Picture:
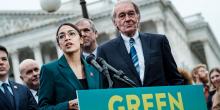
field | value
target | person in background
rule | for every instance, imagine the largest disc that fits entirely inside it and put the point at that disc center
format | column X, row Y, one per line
column 30, row 71
column 89, row 35
column 60, row 79
column 214, row 77
column 145, row 58
column 200, row 77
column 13, row 96
column 200, row 74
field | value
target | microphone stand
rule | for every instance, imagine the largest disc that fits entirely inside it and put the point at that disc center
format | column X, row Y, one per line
column 128, row 81
column 123, row 80
column 106, row 73
column 119, row 75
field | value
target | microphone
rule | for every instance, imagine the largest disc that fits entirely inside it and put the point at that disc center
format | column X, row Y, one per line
column 103, row 62
column 91, row 60
column 104, row 70
column 118, row 72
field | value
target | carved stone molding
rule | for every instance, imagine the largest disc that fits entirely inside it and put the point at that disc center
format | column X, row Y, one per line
column 12, row 22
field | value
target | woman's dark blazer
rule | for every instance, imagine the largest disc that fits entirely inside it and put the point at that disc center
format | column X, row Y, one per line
column 58, row 84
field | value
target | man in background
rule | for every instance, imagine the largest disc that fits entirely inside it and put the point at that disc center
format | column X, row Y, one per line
column 200, row 74
column 89, row 34
column 200, row 77
column 30, row 71
column 13, row 96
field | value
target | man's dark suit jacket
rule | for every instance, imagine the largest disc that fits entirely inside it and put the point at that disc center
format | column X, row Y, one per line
column 58, row 84
column 160, row 67
column 23, row 98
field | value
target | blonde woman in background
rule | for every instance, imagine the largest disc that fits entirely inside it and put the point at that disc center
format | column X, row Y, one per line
column 215, row 81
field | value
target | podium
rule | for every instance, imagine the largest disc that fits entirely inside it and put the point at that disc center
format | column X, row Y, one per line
column 188, row 97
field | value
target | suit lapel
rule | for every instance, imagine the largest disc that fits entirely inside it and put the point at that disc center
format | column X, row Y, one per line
column 91, row 76
column 125, row 56
column 15, row 88
column 4, row 100
column 68, row 74
column 145, row 43
column 123, row 52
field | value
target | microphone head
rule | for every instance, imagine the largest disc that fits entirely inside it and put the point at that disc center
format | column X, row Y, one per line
column 90, row 58
column 99, row 59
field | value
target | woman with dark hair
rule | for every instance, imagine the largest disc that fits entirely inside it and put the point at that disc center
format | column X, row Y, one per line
column 60, row 79
column 214, row 76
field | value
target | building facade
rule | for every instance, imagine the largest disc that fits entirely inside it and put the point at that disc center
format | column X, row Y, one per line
column 32, row 34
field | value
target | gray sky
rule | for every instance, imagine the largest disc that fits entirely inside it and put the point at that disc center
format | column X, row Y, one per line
column 208, row 8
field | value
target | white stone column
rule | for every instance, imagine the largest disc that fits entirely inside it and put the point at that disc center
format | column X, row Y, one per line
column 37, row 53
column 15, row 65
column 160, row 26
column 209, row 55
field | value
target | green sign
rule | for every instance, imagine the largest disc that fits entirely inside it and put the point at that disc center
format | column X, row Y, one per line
column 146, row 98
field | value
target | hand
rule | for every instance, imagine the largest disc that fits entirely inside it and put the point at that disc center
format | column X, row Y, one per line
column 73, row 104
column 197, row 81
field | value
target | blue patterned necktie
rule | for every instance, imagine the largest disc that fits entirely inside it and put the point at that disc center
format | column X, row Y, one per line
column 8, row 94
column 134, row 56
